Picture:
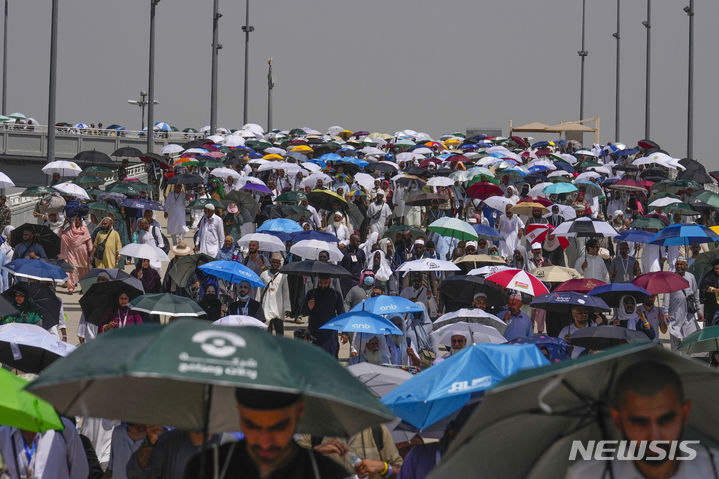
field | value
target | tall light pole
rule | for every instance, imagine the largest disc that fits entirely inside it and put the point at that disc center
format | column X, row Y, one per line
column 4, row 63
column 647, row 96
column 151, row 82
column 215, row 50
column 142, row 103
column 582, row 54
column 53, row 83
column 616, row 93
column 247, row 28
column 270, row 86
column 690, row 90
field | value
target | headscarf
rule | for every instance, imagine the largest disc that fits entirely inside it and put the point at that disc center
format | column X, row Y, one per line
column 622, row 314
column 73, row 237
column 367, row 245
column 360, row 343
column 525, row 263
column 551, row 245
column 384, row 272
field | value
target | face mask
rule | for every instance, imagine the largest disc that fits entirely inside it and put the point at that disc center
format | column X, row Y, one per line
column 244, row 298
column 368, row 280
column 211, row 296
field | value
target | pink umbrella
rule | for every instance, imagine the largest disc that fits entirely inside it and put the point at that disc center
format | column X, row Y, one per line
column 580, row 285
column 519, row 280
column 661, row 282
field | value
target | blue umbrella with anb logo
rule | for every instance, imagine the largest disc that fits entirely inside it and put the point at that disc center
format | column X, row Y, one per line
column 232, row 271
column 384, row 305
column 362, row 322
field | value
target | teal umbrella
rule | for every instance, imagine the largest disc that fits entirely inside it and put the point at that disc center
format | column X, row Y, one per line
column 160, row 374
column 705, row 340
column 166, row 303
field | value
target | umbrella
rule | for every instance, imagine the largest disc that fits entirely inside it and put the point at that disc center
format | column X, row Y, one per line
column 43, row 236
column 24, row 410
column 486, row 232
column 661, row 282
column 684, row 209
column 125, row 188
column 166, row 303
column 427, row 264
column 38, row 191
column 200, row 203
column 478, row 333
column 283, row 225
column 142, row 204
column 704, row 340
column 224, row 173
column 519, row 280
column 43, row 298
column 446, row 387
column 313, row 235
column 144, row 251
column 498, row 203
column 6, row 307
column 240, row 320
column 35, row 269
column 708, row 197
column 475, row 260
column 90, row 181
column 91, row 277
column 462, row 289
column 579, row 285
column 635, row 236
column 378, row 379
column 612, row 293
column 703, row 264
column 326, row 200
column 71, row 189
column 244, row 201
column 128, row 151
column 413, row 230
column 292, row 212
column 604, row 337
column 527, row 208
column 311, row 249
column 232, row 271
column 557, row 348
column 585, row 227
column 559, row 188
column 483, row 190
column 361, row 322
column 187, row 360
column 425, row 199
column 5, row 181
column 183, row 267
column 537, row 233
column 256, row 188
column 171, row 149
column 291, row 197
column 542, row 411
column 454, row 228
column 626, row 184
column 266, row 242
column 30, row 348
column 487, row 270
column 556, row 274
column 563, row 302
column 466, row 315
column 388, row 305
column 64, row 168
column 312, row 268
column 646, row 222
column 186, row 179
column 681, row 234
column 99, row 298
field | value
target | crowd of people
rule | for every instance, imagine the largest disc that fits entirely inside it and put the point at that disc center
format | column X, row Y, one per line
column 459, row 228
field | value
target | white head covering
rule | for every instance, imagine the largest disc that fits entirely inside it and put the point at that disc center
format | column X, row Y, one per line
column 385, row 271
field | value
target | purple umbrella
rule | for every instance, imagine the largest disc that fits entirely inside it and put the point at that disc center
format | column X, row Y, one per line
column 256, row 187
column 141, row 204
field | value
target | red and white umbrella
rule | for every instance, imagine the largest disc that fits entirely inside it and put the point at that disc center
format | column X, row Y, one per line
column 519, row 280
column 537, row 233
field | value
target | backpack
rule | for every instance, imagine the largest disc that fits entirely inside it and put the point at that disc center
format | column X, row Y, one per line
column 165, row 244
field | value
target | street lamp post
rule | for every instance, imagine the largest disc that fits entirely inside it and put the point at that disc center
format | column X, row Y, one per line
column 53, row 83
column 215, row 51
column 150, row 133
column 582, row 54
column 4, row 63
column 142, row 103
column 270, row 86
column 690, row 90
column 647, row 97
column 616, row 93
column 247, row 28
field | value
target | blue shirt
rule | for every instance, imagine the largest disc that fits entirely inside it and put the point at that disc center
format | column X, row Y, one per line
column 518, row 327
column 22, row 250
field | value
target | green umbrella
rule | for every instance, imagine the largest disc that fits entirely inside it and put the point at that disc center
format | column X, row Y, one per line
column 93, row 192
column 681, row 208
column 541, row 411
column 183, row 267
column 166, row 303
column 708, row 197
column 24, row 410
column 454, row 228
column 414, row 231
column 88, row 180
column 702, row 341
column 38, row 191
column 103, row 208
column 703, row 264
column 211, row 163
column 656, row 196
column 483, row 178
column 189, row 130
column 583, row 165
column 291, row 197
column 97, row 170
column 647, row 223
column 123, row 187
column 200, row 203
column 160, row 374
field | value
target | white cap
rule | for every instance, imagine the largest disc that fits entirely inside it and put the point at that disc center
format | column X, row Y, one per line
column 210, row 206
column 536, row 246
column 471, row 243
column 419, row 241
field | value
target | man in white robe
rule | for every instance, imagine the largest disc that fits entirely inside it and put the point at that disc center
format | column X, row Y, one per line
column 175, row 206
column 511, row 228
column 339, row 229
column 590, row 264
column 378, row 213
column 210, row 233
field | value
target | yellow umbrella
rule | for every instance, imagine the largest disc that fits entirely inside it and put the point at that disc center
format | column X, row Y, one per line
column 344, row 134
column 714, row 229
column 302, row 149
column 526, row 208
column 273, row 157
column 452, row 141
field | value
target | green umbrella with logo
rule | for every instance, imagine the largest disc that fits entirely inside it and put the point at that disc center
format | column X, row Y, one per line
column 540, row 412
column 24, row 410
column 156, row 374
column 705, row 340
column 200, row 203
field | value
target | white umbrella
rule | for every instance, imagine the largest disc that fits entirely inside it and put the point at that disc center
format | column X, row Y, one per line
column 372, row 151
column 487, row 270
column 311, row 167
column 234, row 140
column 538, row 189
column 290, row 168
column 32, row 341
column 440, row 181
column 583, row 227
column 5, row 181
column 218, row 139
column 408, row 156
column 199, row 151
column 499, row 203
column 65, row 168
column 240, row 320
column 71, row 189
column 662, row 202
column 365, row 180
column 565, row 211
column 587, row 175
column 223, row 173
column 427, row 264
column 254, row 128
column 267, row 242
column 171, row 149
column 558, row 173
column 477, row 332
column 144, row 251
column 273, row 150
column 312, row 179
column 310, row 249
column 378, row 379
column 243, row 180
column 423, row 151
column 470, row 315
column 205, row 129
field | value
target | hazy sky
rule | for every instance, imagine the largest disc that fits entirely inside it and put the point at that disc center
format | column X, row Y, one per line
column 377, row 65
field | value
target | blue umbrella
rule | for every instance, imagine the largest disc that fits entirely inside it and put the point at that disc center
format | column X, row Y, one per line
column 355, row 161
column 283, row 225
column 315, row 235
column 487, row 233
column 284, row 237
column 559, row 188
column 361, row 322
column 35, row 269
column 384, row 304
column 557, row 348
column 329, row 157
column 680, row 234
column 445, row 387
column 141, row 204
column 635, row 236
column 564, row 301
column 540, row 144
column 162, row 126
column 612, row 293
column 232, row 271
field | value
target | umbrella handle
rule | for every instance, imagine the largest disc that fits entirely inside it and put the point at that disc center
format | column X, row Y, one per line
column 548, row 388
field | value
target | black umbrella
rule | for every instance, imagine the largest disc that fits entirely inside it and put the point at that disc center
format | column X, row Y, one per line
column 91, row 277
column 381, row 167
column 183, row 267
column 91, row 156
column 196, row 143
column 349, row 168
column 6, row 307
column 245, row 202
column 128, row 151
column 103, row 296
column 292, row 212
column 605, row 337
column 186, row 179
column 416, row 170
column 312, row 267
column 30, row 348
column 462, row 289
column 149, row 157
column 424, row 199
column 44, row 299
column 43, row 235
column 327, row 200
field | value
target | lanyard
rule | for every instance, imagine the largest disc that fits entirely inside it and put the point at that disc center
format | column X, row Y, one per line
column 123, row 321
column 29, row 451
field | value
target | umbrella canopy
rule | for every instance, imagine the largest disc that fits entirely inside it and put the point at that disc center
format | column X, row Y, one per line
column 43, row 298
column 473, row 315
column 42, row 235
column 462, row 289
column 326, row 200
column 232, row 271
column 179, row 363
column 541, row 411
column 661, row 282
column 24, row 410
column 240, row 320
column 604, row 337
column 585, row 227
column 527, row 208
column 645, row 222
column 312, row 268
column 186, row 179
column 635, row 236
column 291, row 197
column 266, row 242
column 378, row 379
column 476, row 332
column 200, row 203
column 310, row 249
column 681, row 234
column 183, row 267
column 314, row 235
column 166, row 303
column 580, row 285
column 387, row 305
column 446, row 387
column 128, row 151
column 30, row 348
column 102, row 297
column 362, row 322
column 563, row 302
column 38, row 191
column 91, row 277
column 704, row 340
column 427, row 264
column 498, row 203
column 537, row 233
column 454, row 228
column 559, row 188
column 556, row 274
column 483, row 190
column 64, row 168
column 35, row 269
column 703, row 264
column 71, row 189
column 144, row 251
column 486, row 232
column 612, row 293
column 519, row 280
column 142, row 204
column 282, row 225
column 425, row 199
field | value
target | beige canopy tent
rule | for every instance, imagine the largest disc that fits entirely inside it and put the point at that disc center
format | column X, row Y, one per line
column 569, row 129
